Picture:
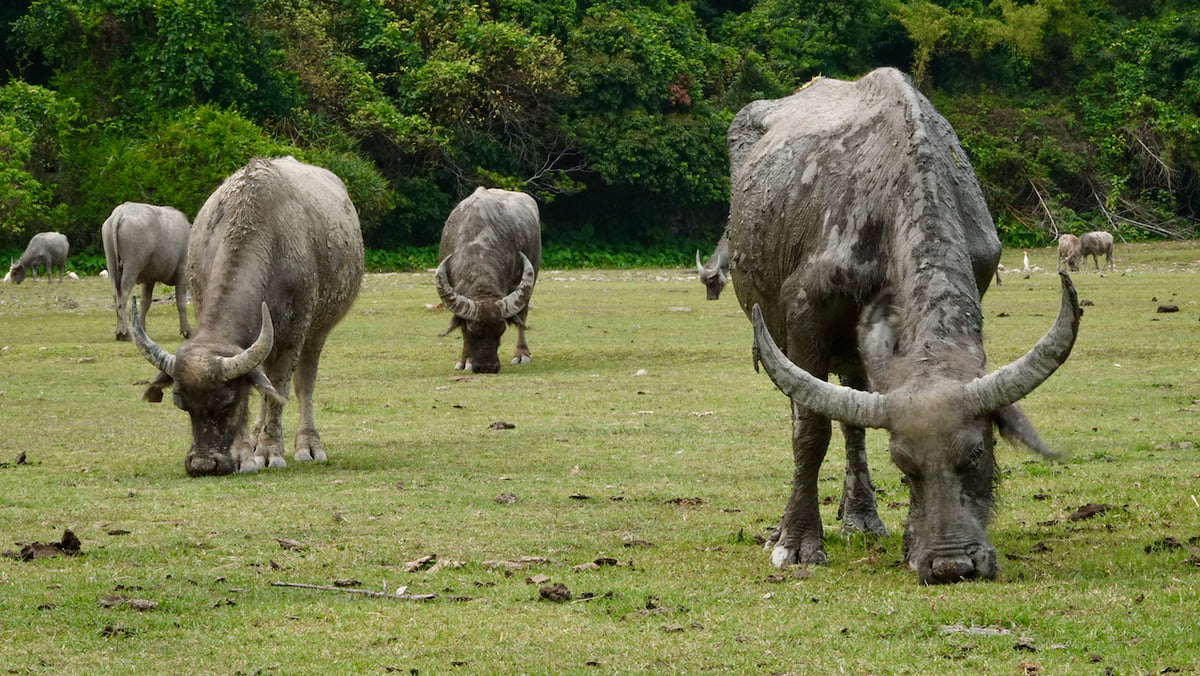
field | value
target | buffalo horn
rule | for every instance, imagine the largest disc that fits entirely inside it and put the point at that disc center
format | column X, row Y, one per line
column 455, row 302
column 163, row 360
column 1010, row 383
column 516, row 301
column 250, row 358
column 699, row 265
column 837, row 402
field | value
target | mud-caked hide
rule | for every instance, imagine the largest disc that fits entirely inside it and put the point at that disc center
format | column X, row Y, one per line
column 861, row 244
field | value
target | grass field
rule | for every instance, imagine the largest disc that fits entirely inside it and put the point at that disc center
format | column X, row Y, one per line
column 645, row 463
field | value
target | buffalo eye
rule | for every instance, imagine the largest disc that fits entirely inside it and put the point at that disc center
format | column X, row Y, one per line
column 971, row 457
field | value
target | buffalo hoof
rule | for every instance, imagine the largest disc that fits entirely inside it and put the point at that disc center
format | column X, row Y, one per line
column 315, row 455
column 124, row 337
column 863, row 523
column 208, row 465
column 782, row 556
column 522, row 359
column 276, row 462
column 787, row 551
column 248, row 466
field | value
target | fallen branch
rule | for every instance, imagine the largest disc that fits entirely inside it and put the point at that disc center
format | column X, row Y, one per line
column 398, row 595
column 1053, row 225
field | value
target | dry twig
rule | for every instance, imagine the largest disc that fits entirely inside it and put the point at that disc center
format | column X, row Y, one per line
column 396, row 596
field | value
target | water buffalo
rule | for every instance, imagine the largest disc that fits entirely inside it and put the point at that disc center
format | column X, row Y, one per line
column 144, row 244
column 1068, row 252
column 1095, row 243
column 488, row 262
column 275, row 260
column 714, row 273
column 45, row 249
column 860, row 240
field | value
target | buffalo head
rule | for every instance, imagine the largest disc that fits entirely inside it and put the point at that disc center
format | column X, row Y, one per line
column 16, row 273
column 940, row 437
column 713, row 278
column 483, row 319
column 211, row 381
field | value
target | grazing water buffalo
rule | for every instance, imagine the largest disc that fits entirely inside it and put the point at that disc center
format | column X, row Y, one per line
column 274, row 262
column 1068, row 252
column 859, row 239
column 45, row 249
column 1095, row 243
column 144, row 244
column 715, row 272
column 488, row 262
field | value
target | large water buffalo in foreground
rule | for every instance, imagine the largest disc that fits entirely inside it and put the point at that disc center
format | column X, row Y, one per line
column 714, row 273
column 45, row 249
column 144, row 244
column 1095, row 244
column 859, row 239
column 274, row 262
column 488, row 262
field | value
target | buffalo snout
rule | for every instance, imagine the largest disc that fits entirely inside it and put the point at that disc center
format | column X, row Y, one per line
column 948, row 568
column 200, row 463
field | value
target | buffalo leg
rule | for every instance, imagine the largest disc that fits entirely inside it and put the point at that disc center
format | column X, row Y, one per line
column 308, row 441
column 181, row 307
column 798, row 539
column 148, row 293
column 268, row 426
column 121, row 291
column 522, row 355
column 857, row 510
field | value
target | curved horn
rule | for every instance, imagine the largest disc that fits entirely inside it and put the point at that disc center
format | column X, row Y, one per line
column 699, row 265
column 516, row 301
column 1010, row 383
column 455, row 302
column 837, row 402
column 163, row 360
column 251, row 357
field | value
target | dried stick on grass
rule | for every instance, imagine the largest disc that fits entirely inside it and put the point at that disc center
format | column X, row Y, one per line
column 396, row 596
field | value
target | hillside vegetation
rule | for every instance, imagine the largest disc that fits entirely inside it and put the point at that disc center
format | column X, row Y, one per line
column 1077, row 114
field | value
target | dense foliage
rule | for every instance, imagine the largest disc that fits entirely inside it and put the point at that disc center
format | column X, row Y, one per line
column 1078, row 114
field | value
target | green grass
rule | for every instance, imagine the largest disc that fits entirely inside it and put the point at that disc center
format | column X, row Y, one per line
column 415, row 470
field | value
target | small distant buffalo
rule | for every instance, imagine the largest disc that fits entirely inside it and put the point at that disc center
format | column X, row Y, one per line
column 144, row 244
column 46, row 249
column 1095, row 243
column 715, row 272
column 488, row 262
column 1068, row 252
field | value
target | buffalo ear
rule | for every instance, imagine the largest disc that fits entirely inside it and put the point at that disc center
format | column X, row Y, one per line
column 154, row 391
column 260, row 381
column 455, row 322
column 876, row 333
column 1016, row 428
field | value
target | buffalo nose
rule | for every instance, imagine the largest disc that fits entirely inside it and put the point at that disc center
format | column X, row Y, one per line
column 952, row 569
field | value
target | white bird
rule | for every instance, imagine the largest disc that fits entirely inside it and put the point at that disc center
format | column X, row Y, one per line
column 1026, row 260
column 104, row 274
column 72, row 275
